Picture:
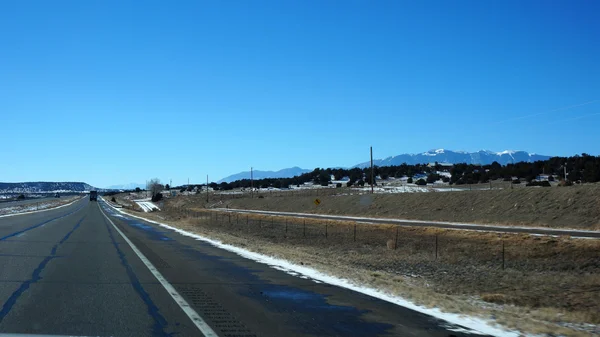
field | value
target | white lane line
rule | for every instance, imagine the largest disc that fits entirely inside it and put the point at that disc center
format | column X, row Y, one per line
column 183, row 304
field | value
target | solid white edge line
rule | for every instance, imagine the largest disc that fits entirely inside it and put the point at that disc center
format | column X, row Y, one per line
column 42, row 210
column 206, row 330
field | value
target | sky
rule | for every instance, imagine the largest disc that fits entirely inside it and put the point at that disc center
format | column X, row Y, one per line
column 113, row 92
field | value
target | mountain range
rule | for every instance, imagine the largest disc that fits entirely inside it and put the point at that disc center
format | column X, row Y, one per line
column 256, row 174
column 46, row 187
column 130, row 186
column 482, row 157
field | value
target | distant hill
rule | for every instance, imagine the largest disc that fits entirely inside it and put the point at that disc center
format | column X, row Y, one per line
column 46, row 187
column 130, row 186
column 285, row 173
column 482, row 157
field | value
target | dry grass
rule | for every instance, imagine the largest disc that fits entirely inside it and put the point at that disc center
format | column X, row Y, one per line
column 558, row 207
column 550, row 285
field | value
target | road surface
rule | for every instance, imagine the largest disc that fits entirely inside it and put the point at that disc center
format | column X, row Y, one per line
column 437, row 224
column 72, row 271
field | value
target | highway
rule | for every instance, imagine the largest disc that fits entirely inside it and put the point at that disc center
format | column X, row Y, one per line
column 437, row 224
column 86, row 270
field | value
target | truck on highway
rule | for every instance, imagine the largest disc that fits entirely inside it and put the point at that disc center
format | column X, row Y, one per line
column 93, row 195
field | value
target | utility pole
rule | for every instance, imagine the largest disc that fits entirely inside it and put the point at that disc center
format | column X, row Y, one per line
column 372, row 175
column 565, row 167
column 207, row 188
column 251, row 183
column 170, row 183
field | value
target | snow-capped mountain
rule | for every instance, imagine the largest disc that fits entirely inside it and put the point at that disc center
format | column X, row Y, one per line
column 130, row 186
column 285, row 173
column 482, row 157
column 46, row 187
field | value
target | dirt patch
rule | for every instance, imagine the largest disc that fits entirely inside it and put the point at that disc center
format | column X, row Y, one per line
column 548, row 285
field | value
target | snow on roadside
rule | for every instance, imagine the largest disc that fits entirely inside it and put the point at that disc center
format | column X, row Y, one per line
column 146, row 205
column 32, row 208
column 477, row 325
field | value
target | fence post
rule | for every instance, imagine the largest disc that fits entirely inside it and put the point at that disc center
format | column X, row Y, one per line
column 304, row 229
column 229, row 215
column 354, row 232
column 246, row 219
column 259, row 223
column 396, row 242
column 286, row 226
column 326, row 231
column 436, row 247
column 502, row 253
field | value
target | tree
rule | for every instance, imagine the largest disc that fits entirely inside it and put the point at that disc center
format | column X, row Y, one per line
column 137, row 189
column 324, row 178
column 155, row 187
column 167, row 187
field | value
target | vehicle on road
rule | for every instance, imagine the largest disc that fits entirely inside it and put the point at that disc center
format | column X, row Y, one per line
column 93, row 195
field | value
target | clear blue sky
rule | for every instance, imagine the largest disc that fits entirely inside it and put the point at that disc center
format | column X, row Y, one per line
column 111, row 92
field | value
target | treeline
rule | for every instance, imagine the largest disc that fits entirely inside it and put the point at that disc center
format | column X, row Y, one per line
column 580, row 169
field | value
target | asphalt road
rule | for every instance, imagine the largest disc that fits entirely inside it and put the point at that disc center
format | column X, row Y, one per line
column 447, row 225
column 70, row 271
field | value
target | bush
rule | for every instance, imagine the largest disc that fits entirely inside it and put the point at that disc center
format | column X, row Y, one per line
column 516, row 181
column 157, row 197
column 421, row 182
column 563, row 183
column 338, row 185
column 349, row 183
column 445, row 179
column 21, row 197
column 409, row 181
column 550, row 178
column 539, row 183
column 113, row 199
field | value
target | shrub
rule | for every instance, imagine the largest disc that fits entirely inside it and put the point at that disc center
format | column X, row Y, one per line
column 338, row 185
column 516, row 181
column 113, row 199
column 539, row 183
column 409, row 181
column 21, row 197
column 349, row 183
column 157, row 197
column 550, row 178
column 421, row 182
column 563, row 183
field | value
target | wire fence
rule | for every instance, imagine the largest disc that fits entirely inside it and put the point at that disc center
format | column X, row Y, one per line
column 492, row 250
